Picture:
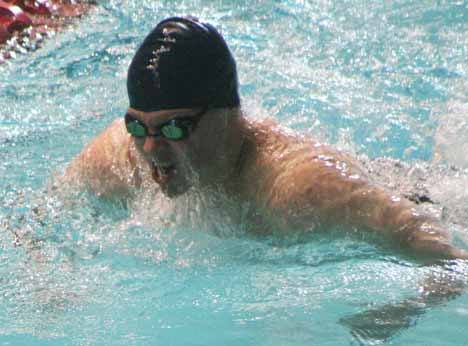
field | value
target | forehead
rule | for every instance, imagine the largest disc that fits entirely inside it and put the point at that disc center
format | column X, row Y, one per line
column 163, row 112
column 161, row 115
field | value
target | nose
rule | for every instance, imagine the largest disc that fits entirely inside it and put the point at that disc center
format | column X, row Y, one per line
column 151, row 144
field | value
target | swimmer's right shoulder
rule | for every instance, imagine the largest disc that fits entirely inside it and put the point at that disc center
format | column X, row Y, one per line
column 104, row 165
column 118, row 131
column 110, row 142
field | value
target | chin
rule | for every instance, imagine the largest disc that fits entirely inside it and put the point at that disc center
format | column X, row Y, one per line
column 174, row 190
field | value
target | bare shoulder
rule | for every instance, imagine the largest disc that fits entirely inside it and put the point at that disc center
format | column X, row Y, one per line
column 302, row 185
column 107, row 164
column 299, row 178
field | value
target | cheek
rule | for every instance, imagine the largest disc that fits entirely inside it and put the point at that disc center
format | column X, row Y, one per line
column 182, row 150
column 194, row 154
column 209, row 143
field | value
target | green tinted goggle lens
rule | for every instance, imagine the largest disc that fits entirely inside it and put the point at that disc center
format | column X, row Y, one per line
column 172, row 130
column 136, row 129
column 175, row 129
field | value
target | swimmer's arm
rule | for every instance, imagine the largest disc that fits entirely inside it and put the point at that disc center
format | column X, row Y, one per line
column 420, row 236
column 107, row 165
column 316, row 192
column 383, row 322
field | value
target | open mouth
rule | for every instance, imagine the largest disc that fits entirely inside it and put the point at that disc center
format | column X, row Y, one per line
column 162, row 173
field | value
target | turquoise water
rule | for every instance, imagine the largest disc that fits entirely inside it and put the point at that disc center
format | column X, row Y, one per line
column 376, row 78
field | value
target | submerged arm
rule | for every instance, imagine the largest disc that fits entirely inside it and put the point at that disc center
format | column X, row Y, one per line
column 357, row 202
column 326, row 188
column 379, row 324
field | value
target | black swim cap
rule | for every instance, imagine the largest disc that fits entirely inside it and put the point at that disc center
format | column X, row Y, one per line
column 182, row 63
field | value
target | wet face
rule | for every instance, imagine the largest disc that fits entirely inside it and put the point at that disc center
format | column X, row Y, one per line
column 174, row 143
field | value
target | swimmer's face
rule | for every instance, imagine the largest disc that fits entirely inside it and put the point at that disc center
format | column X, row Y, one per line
column 175, row 143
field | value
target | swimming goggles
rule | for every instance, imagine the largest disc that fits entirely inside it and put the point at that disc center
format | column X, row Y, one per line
column 175, row 129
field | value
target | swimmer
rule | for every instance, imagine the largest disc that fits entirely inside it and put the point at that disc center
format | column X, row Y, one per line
column 185, row 129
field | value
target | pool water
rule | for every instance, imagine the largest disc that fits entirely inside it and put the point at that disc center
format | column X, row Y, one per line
column 375, row 78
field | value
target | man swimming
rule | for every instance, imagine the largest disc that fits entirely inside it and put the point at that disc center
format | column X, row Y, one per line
column 185, row 129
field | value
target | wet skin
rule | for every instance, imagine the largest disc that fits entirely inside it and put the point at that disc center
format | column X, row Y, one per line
column 169, row 160
column 202, row 158
column 289, row 181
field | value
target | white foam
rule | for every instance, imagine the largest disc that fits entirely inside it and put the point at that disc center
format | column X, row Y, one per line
column 452, row 136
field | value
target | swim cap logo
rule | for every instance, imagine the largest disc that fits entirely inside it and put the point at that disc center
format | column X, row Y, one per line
column 153, row 63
